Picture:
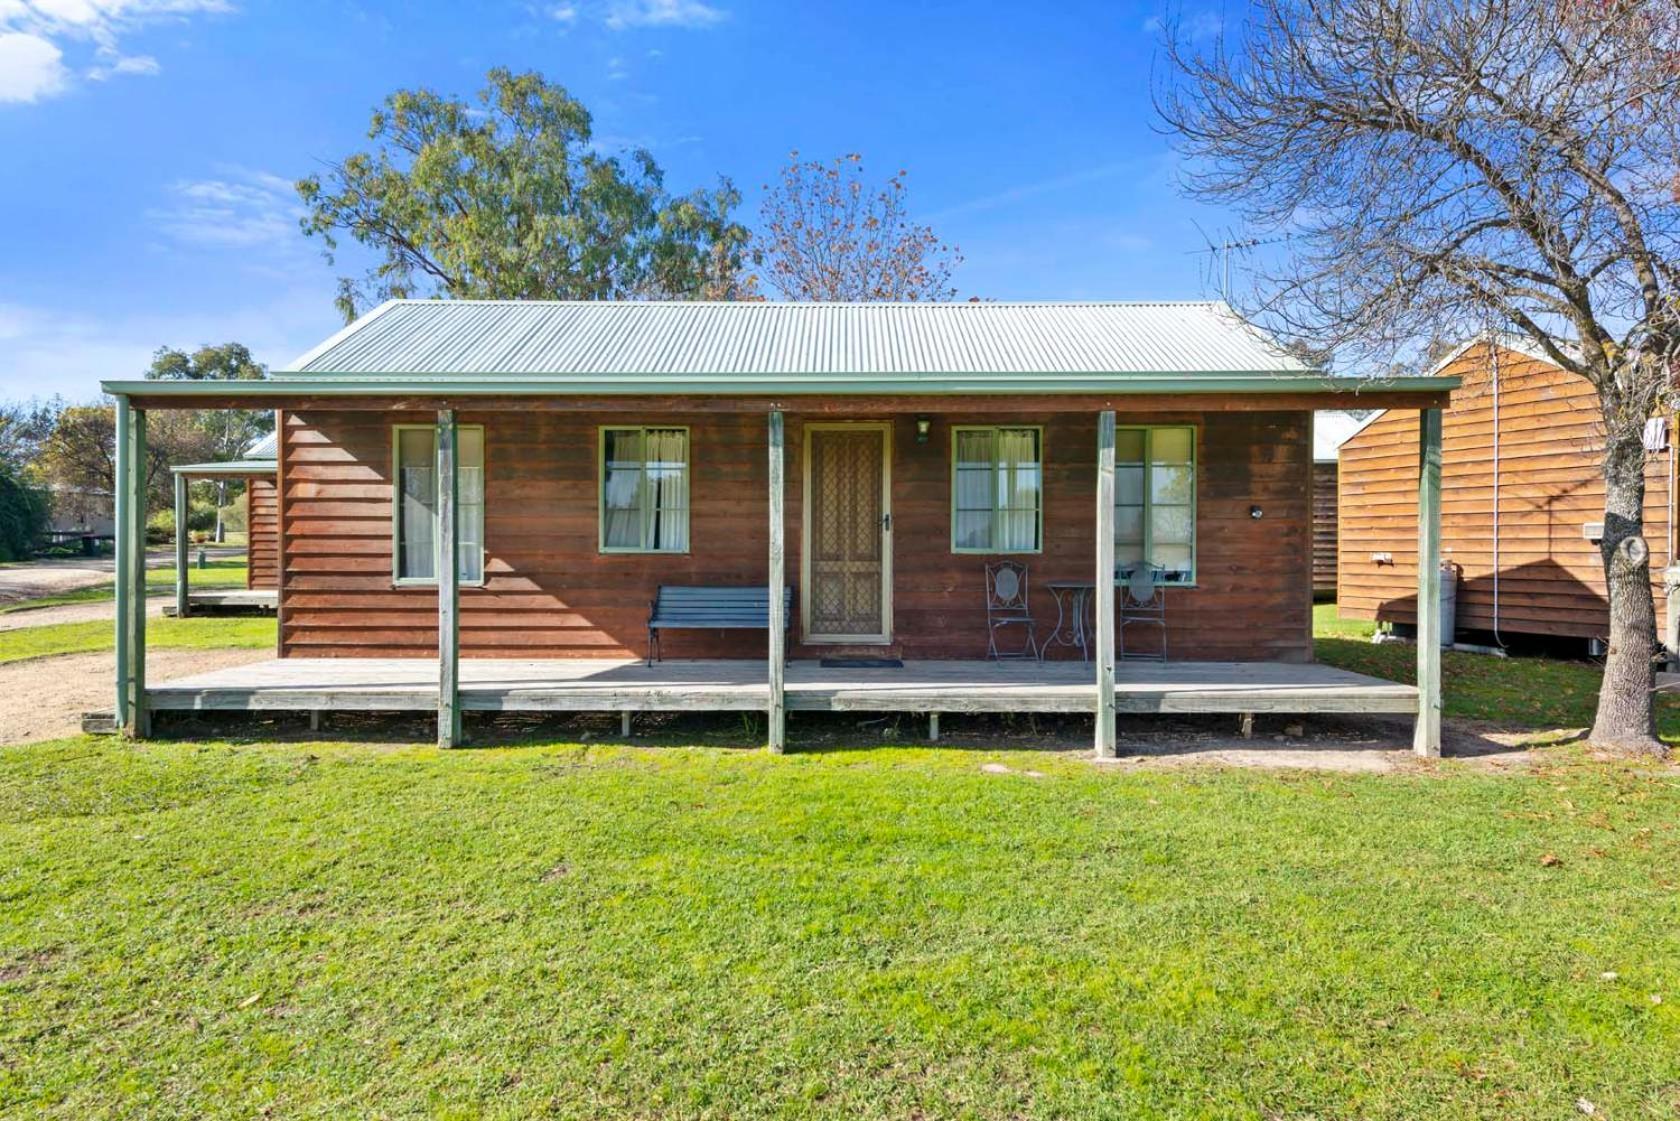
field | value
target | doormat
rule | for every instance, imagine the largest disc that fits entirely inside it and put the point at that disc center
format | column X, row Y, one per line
column 862, row 663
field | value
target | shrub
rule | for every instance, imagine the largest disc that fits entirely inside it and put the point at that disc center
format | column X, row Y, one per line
column 24, row 512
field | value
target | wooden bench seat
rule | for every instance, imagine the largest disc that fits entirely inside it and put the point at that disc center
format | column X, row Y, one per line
column 682, row 607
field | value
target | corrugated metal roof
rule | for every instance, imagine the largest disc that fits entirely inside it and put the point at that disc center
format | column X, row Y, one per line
column 265, row 447
column 413, row 340
column 1330, row 428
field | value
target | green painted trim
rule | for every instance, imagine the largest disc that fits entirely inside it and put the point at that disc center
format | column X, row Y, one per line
column 1043, row 456
column 124, row 549
column 774, row 386
column 396, row 506
column 601, row 545
column 229, row 467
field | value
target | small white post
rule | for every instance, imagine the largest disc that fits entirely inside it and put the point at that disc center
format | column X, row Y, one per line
column 448, row 583
column 180, row 545
column 1104, row 599
column 1426, row 739
column 777, row 732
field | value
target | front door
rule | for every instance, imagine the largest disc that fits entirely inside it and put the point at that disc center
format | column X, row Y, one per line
column 846, row 585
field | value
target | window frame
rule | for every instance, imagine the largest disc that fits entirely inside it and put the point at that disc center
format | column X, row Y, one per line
column 398, row 580
column 1148, row 504
column 959, row 550
column 601, row 545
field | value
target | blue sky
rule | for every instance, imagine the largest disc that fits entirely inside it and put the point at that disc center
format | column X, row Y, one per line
column 150, row 144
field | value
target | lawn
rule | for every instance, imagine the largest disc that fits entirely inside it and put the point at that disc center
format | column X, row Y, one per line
column 329, row 930
column 215, row 574
column 1540, row 693
column 199, row 633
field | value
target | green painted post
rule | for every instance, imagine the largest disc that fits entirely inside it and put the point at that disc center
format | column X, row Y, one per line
column 123, row 549
column 1426, row 739
column 180, row 545
column 142, row 719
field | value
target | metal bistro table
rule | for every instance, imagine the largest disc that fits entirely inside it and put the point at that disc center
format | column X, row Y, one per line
column 1073, row 604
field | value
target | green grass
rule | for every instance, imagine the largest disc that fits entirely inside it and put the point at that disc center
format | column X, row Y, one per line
column 216, row 574
column 161, row 634
column 1526, row 692
column 322, row 930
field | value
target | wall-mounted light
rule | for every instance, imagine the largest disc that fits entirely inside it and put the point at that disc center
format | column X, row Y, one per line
column 1256, row 513
column 924, row 425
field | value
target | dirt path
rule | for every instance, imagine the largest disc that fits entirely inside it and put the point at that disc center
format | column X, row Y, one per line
column 104, row 610
column 34, row 579
column 60, row 689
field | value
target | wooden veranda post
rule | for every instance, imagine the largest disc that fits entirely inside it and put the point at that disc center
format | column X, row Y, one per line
column 131, row 570
column 1104, row 598
column 180, row 545
column 777, row 582
column 1426, row 739
column 123, row 548
column 448, row 581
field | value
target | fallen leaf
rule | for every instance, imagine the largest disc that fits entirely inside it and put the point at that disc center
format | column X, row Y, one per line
column 250, row 1000
column 1550, row 860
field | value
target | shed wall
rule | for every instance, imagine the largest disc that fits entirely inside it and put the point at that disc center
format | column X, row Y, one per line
column 1324, row 529
column 1551, row 578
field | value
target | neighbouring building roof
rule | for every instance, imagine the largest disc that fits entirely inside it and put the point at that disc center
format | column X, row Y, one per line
column 1330, row 428
column 266, row 447
column 536, row 346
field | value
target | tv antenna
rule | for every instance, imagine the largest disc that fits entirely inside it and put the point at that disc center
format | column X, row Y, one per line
column 1222, row 250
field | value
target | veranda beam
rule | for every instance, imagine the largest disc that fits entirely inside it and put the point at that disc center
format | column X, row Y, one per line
column 1104, row 598
column 123, row 547
column 1426, row 739
column 777, row 579
column 180, row 545
column 448, row 582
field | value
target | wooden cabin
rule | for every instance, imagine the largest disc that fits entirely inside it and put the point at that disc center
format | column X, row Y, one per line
column 1522, row 502
column 1330, row 428
column 487, row 506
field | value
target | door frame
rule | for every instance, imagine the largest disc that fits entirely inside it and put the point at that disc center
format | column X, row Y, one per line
column 885, row 635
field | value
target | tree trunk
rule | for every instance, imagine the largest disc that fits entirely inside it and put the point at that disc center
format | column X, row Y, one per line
column 1626, row 719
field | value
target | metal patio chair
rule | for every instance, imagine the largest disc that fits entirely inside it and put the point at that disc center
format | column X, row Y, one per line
column 1006, row 606
column 1143, row 602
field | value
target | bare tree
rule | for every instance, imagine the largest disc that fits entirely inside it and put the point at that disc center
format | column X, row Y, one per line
column 1443, row 165
column 829, row 235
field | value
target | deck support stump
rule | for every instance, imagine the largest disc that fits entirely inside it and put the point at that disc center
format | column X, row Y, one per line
column 181, row 544
column 448, row 582
column 1104, row 598
column 777, row 713
column 1426, row 738
column 624, row 723
column 933, row 727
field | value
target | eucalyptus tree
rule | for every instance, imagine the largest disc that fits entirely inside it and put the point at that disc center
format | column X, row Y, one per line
column 1441, row 166
column 507, row 197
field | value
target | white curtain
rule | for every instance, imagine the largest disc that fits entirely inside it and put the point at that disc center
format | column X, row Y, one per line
column 417, row 509
column 621, row 490
column 1020, row 488
column 470, row 489
column 975, row 488
column 667, row 489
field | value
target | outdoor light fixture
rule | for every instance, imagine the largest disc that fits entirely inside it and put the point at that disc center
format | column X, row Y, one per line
column 1256, row 513
column 923, row 426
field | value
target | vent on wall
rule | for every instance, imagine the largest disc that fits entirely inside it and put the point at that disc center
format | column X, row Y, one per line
column 1592, row 531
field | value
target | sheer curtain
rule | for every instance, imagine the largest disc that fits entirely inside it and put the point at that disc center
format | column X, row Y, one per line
column 417, row 504
column 470, row 491
column 1020, row 490
column 667, row 473
column 975, row 489
column 621, row 489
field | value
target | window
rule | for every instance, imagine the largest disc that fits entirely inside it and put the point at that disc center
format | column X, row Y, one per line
column 644, row 490
column 1155, row 501
column 415, row 513
column 997, row 495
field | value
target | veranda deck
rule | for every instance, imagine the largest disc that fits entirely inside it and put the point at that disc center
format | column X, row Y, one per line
column 579, row 685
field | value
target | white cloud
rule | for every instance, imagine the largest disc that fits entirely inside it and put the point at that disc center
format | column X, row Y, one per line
column 615, row 69
column 241, row 209
column 563, row 13
column 34, row 34
column 622, row 14
column 1198, row 27
column 30, row 67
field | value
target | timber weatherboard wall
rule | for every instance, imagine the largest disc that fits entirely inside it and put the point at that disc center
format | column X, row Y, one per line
column 550, row 592
column 262, row 565
column 1551, row 577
